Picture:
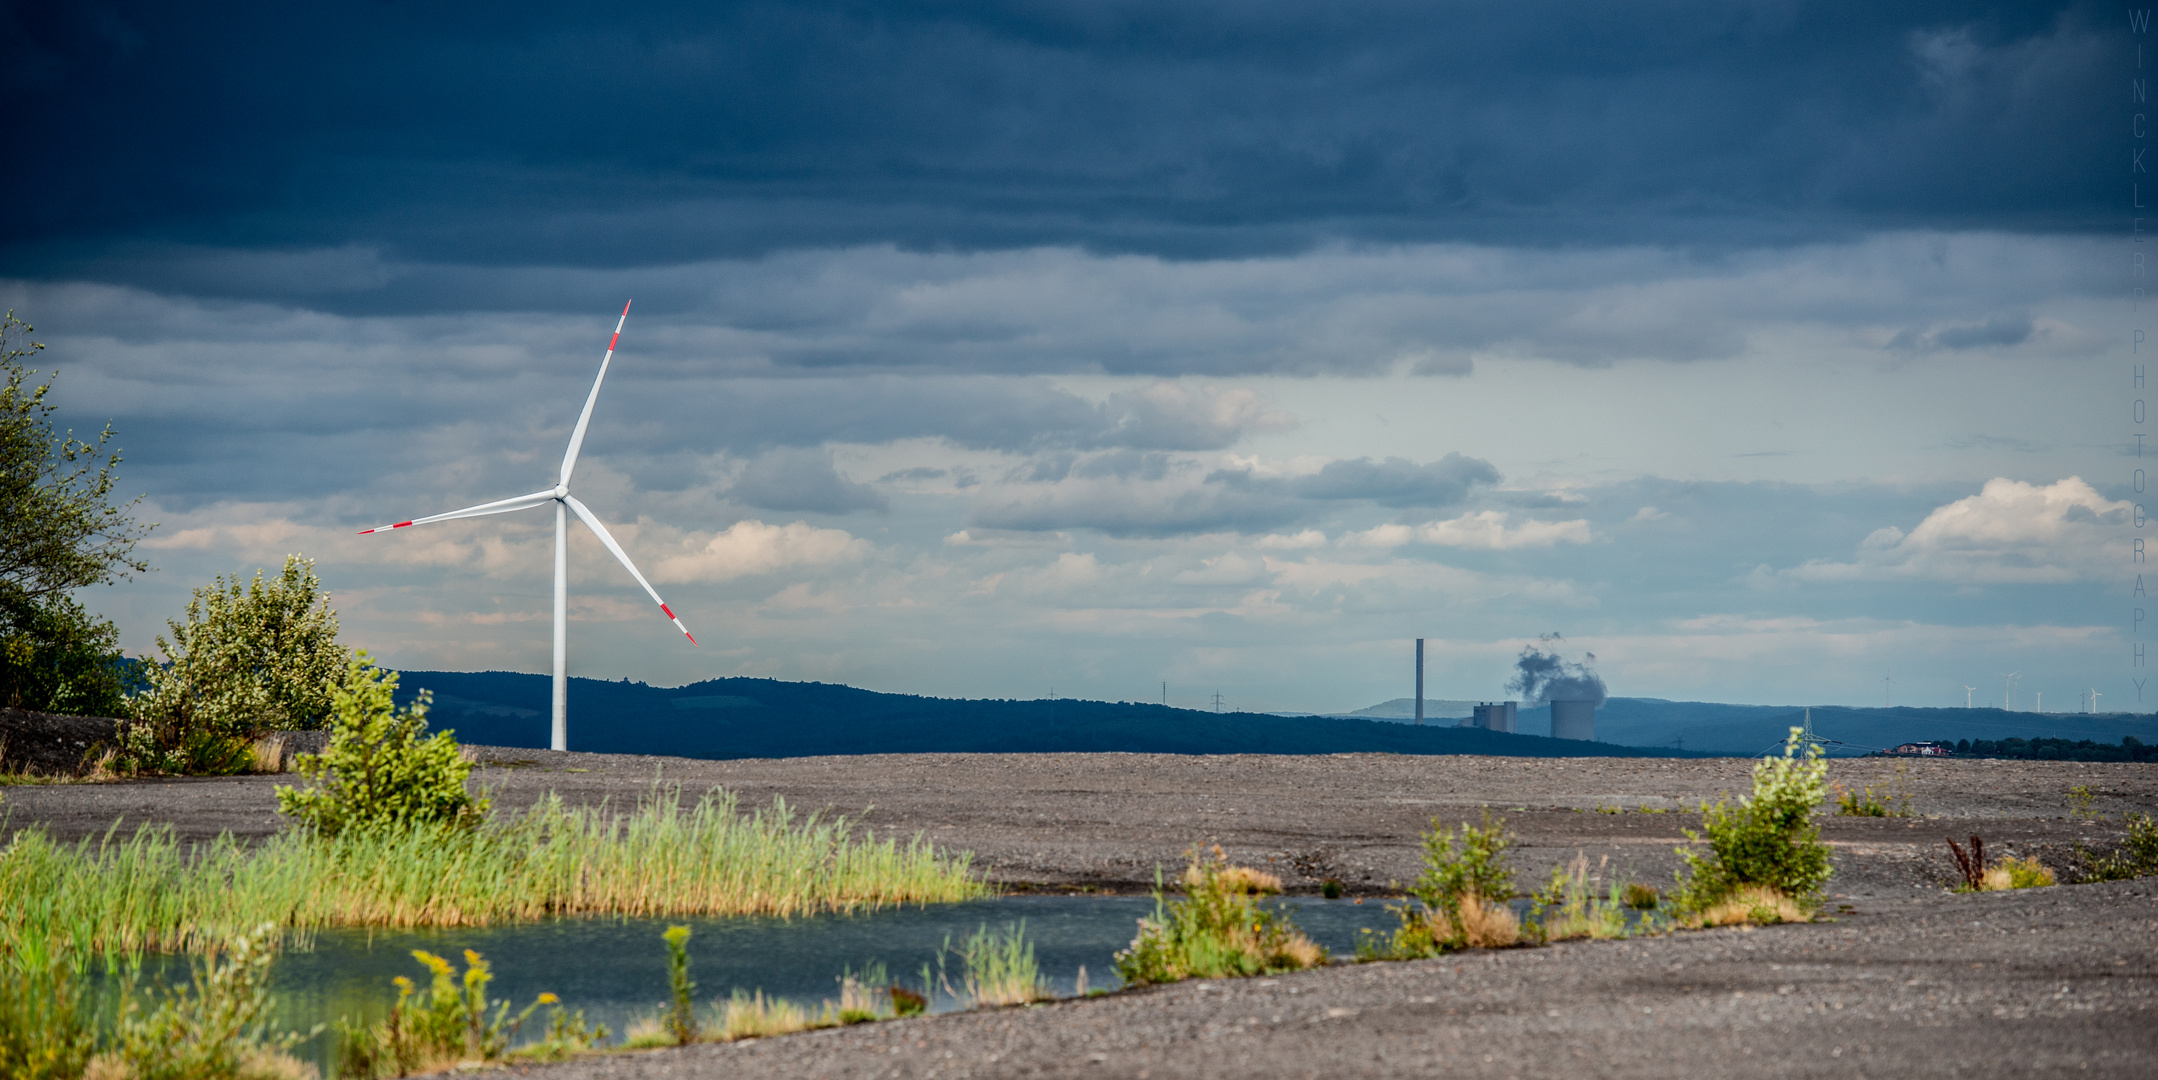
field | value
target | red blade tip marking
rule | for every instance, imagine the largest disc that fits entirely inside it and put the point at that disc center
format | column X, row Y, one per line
column 668, row 610
column 400, row 525
column 692, row 637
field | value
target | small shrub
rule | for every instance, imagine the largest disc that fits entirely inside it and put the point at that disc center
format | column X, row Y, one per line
column 1217, row 930
column 381, row 767
column 906, row 1002
column 2080, row 798
column 2136, row 856
column 568, row 1035
column 2013, row 873
column 1472, row 863
column 1331, row 888
column 681, row 1016
column 1642, row 897
column 1768, row 841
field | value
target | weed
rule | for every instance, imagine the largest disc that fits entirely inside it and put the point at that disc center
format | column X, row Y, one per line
column 1567, row 907
column 1859, row 804
column 2137, row 856
column 2080, row 798
column 1641, row 897
column 453, row 1022
column 906, row 1002
column 1331, row 888
column 1217, row 930
column 45, row 1032
column 215, row 1028
column 1000, row 967
column 681, row 1017
column 1768, row 841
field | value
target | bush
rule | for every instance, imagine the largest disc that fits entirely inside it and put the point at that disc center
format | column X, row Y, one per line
column 1217, row 930
column 2137, row 856
column 45, row 1026
column 1767, row 842
column 56, row 657
column 1460, row 897
column 2013, row 873
column 381, row 767
column 246, row 661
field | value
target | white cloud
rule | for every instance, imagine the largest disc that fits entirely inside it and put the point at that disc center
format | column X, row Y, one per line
column 753, row 547
column 1485, row 530
column 2010, row 532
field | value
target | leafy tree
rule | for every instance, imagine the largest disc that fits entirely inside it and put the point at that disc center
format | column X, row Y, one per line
column 381, row 768
column 60, row 531
column 246, row 660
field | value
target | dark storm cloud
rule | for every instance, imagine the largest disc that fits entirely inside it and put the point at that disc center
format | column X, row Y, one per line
column 659, row 133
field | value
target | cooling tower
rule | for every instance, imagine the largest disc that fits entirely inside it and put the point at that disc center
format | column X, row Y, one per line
column 1573, row 720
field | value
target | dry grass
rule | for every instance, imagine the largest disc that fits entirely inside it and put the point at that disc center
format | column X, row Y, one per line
column 752, row 1016
column 267, row 754
column 1753, row 904
column 1236, row 879
column 1488, row 925
column 260, row 1064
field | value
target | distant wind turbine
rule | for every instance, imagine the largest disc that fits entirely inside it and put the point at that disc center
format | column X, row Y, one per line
column 564, row 505
column 1967, row 696
column 2008, row 690
column 1887, row 684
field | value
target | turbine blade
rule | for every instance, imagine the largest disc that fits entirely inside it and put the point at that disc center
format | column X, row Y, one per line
column 584, row 419
column 502, row 506
column 607, row 538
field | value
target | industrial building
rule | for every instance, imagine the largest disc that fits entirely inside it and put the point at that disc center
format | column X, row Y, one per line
column 1493, row 716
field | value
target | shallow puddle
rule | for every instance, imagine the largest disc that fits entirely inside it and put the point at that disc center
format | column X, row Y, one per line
column 616, row 970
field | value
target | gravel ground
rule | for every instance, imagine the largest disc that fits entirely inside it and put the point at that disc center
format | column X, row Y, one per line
column 2047, row 982
column 1908, row 980
column 1106, row 821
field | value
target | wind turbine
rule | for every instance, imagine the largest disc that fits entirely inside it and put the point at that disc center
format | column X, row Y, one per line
column 1887, row 685
column 1967, row 696
column 2008, row 691
column 564, row 505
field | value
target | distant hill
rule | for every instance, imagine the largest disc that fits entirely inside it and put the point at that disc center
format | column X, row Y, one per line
column 738, row 718
column 1750, row 729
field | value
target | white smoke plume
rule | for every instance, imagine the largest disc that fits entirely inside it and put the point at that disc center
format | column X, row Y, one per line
column 1542, row 675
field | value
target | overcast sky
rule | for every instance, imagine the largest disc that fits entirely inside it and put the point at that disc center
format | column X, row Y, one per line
column 1766, row 350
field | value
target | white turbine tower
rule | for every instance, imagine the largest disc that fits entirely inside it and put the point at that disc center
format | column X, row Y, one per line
column 1967, row 696
column 564, row 505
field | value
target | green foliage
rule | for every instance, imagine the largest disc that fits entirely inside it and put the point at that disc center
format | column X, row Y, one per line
column 682, row 1016
column 1568, row 906
column 452, row 1022
column 1768, row 840
column 381, row 767
column 1472, row 863
column 1641, row 897
column 215, row 1029
column 1000, row 967
column 61, row 530
column 1860, row 803
column 2080, row 798
column 45, row 1029
column 2136, row 856
column 1219, row 929
column 56, row 657
column 248, row 659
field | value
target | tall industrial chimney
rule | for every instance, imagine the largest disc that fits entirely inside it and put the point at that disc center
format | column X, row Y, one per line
column 1573, row 720
column 1419, row 682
